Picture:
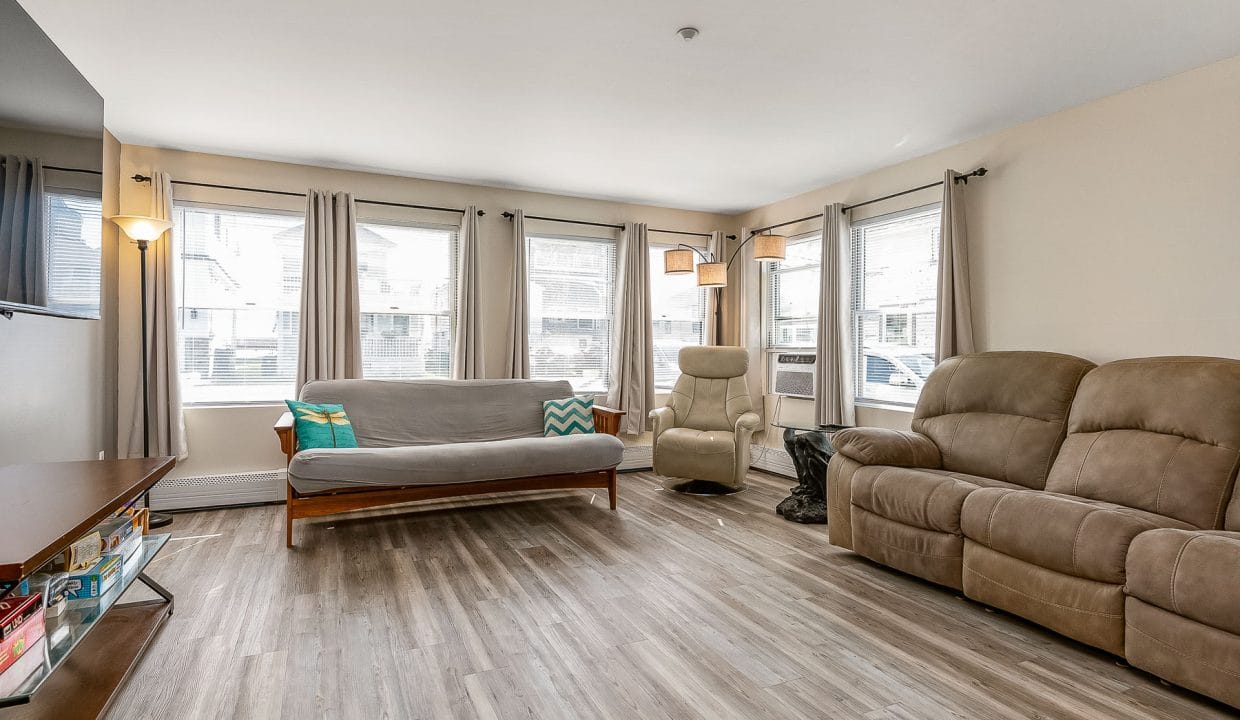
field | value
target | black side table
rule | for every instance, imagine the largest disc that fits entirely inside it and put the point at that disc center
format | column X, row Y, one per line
column 811, row 450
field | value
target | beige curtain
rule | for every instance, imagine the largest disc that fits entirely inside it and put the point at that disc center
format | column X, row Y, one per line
column 23, row 250
column 748, row 329
column 833, row 401
column 167, row 421
column 467, row 345
column 955, row 314
column 517, row 363
column 715, row 247
column 330, row 346
column 632, row 346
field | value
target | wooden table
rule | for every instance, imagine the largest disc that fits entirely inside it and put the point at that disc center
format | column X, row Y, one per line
column 49, row 506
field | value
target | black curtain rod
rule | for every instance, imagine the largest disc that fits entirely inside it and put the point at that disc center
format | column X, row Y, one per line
column 73, row 170
column 66, row 169
column 509, row 216
column 980, row 172
column 147, row 178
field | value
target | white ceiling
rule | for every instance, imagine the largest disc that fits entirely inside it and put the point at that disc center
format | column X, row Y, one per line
column 603, row 99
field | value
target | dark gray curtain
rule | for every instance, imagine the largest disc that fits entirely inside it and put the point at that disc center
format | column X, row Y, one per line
column 23, row 249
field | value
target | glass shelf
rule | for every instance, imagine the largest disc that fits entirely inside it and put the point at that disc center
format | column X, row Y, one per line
column 64, row 632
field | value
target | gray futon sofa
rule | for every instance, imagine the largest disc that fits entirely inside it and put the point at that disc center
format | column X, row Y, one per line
column 424, row 439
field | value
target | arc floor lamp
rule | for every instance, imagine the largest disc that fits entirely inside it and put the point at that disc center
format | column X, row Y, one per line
column 143, row 231
column 712, row 272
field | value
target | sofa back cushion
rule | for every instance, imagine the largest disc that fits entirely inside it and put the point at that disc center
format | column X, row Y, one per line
column 1001, row 415
column 392, row 413
column 1158, row 434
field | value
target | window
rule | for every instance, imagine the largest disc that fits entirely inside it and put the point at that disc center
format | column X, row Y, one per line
column 407, row 283
column 73, row 224
column 895, row 262
column 237, row 308
column 572, row 284
column 791, row 295
column 677, row 316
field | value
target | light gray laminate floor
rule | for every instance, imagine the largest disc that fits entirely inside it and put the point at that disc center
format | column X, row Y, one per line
column 547, row 605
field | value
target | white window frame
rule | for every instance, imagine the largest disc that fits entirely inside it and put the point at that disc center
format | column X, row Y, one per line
column 707, row 320
column 453, row 272
column 179, row 238
column 768, row 289
column 606, row 370
column 854, row 295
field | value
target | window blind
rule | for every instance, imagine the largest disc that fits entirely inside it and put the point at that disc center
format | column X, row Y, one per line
column 73, row 226
column 677, row 316
column 791, row 295
column 239, row 282
column 407, row 286
column 894, row 268
column 571, row 291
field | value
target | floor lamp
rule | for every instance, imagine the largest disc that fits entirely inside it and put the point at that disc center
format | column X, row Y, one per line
column 712, row 272
column 143, row 231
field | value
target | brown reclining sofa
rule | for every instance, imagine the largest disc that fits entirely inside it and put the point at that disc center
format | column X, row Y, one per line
column 1096, row 501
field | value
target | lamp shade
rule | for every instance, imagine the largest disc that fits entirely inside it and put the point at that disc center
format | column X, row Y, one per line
column 770, row 247
column 712, row 274
column 140, row 227
column 678, row 261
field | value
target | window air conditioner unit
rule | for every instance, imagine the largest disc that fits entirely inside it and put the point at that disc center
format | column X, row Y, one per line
column 794, row 374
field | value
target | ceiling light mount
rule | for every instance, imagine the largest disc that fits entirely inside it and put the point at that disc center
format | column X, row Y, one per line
column 687, row 33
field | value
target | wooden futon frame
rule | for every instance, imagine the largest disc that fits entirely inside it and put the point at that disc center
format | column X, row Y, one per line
column 304, row 505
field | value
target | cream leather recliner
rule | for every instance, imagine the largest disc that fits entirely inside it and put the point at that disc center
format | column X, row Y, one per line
column 703, row 433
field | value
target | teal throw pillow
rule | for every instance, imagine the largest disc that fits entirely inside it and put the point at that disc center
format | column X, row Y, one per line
column 570, row 416
column 321, row 426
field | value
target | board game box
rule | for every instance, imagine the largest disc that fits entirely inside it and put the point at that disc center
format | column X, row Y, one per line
column 16, row 610
column 16, row 644
column 97, row 580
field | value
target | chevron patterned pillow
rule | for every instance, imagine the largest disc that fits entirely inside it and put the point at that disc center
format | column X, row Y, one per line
column 570, row 416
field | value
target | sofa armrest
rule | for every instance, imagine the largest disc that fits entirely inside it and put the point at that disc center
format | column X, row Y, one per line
column 879, row 446
column 607, row 420
column 663, row 418
column 286, row 430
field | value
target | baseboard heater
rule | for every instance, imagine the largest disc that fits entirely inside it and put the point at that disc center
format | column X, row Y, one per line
column 772, row 460
column 637, row 457
column 200, row 491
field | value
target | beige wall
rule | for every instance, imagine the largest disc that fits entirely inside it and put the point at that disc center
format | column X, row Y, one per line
column 1109, row 230
column 58, row 388
column 240, row 438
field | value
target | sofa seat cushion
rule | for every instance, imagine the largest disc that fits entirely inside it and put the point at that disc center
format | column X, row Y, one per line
column 313, row 471
column 1075, row 536
column 698, row 442
column 1195, row 574
column 922, row 498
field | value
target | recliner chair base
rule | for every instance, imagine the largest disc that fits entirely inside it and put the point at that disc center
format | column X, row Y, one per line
column 699, row 487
